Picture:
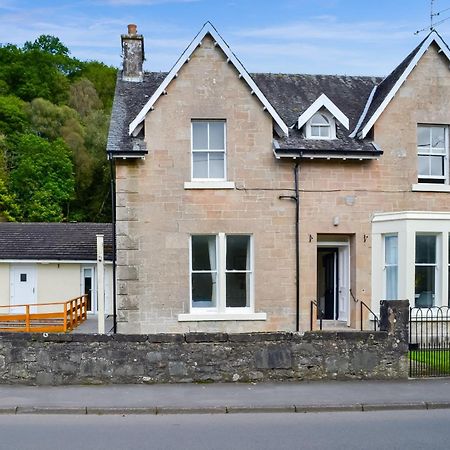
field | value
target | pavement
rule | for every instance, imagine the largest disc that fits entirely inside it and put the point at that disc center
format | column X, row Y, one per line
column 90, row 325
column 327, row 396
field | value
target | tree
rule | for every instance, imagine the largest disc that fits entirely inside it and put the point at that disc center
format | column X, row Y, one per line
column 103, row 78
column 9, row 209
column 83, row 97
column 47, row 44
column 42, row 178
column 51, row 103
column 47, row 119
column 13, row 117
column 38, row 69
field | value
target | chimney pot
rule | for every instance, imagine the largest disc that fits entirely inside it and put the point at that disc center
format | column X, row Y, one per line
column 132, row 29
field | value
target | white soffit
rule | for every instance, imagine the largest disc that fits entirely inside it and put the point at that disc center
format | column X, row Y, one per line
column 323, row 102
column 208, row 28
column 433, row 37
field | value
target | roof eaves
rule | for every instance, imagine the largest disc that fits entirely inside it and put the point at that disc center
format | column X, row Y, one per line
column 327, row 154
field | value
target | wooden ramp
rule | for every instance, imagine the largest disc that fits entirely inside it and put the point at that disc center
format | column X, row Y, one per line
column 60, row 317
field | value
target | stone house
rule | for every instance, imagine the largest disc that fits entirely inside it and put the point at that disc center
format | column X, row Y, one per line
column 241, row 198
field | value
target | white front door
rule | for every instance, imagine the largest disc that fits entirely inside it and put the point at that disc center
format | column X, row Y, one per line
column 344, row 282
column 23, row 286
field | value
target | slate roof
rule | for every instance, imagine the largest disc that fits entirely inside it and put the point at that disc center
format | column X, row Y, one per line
column 129, row 99
column 343, row 143
column 292, row 94
column 289, row 94
column 53, row 241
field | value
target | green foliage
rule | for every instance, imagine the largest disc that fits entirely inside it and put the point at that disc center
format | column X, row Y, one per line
column 13, row 117
column 47, row 119
column 54, row 118
column 9, row 209
column 103, row 78
column 47, row 44
column 43, row 178
column 83, row 97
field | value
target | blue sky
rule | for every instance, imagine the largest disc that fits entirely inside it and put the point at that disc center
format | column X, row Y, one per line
column 355, row 37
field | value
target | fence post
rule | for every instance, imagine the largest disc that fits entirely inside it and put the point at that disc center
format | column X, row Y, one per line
column 27, row 317
column 65, row 317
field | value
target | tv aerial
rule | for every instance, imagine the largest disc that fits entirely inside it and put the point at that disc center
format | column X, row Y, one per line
column 434, row 18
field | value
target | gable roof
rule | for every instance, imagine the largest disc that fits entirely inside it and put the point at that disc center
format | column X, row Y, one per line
column 53, row 241
column 323, row 102
column 387, row 89
column 290, row 94
column 208, row 28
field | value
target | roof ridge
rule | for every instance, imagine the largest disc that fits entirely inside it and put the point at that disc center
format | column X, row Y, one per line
column 316, row 75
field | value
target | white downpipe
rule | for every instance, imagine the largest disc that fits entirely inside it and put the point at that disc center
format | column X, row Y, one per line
column 100, row 285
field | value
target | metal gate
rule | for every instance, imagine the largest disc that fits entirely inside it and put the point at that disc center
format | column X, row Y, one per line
column 429, row 346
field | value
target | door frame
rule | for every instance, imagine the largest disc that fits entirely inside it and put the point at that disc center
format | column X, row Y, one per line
column 93, row 309
column 343, row 248
column 13, row 270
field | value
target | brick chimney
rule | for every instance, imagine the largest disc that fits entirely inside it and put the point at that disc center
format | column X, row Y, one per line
column 133, row 55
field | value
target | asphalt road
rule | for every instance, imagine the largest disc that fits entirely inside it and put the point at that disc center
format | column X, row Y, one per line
column 343, row 430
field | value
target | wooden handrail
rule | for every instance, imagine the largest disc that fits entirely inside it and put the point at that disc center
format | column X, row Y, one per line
column 72, row 314
column 44, row 304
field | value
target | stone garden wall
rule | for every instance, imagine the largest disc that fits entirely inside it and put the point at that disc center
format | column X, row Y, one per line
column 58, row 359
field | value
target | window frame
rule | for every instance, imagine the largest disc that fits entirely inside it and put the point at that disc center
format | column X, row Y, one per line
column 208, row 151
column 331, row 126
column 221, row 271
column 433, row 179
column 437, row 300
column 386, row 266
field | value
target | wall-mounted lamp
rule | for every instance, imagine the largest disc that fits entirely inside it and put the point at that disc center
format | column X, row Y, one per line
column 336, row 221
column 311, row 238
column 365, row 237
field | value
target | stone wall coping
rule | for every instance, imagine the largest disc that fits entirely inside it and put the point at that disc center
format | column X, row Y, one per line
column 195, row 337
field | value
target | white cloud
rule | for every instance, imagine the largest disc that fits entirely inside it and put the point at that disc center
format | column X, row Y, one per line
column 329, row 28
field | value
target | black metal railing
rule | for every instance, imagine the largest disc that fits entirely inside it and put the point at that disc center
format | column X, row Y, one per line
column 429, row 342
column 362, row 306
column 319, row 316
column 376, row 321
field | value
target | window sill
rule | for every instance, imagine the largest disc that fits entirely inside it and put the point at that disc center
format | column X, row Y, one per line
column 212, row 317
column 430, row 187
column 209, row 185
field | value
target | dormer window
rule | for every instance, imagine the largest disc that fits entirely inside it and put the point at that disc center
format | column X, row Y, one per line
column 321, row 126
